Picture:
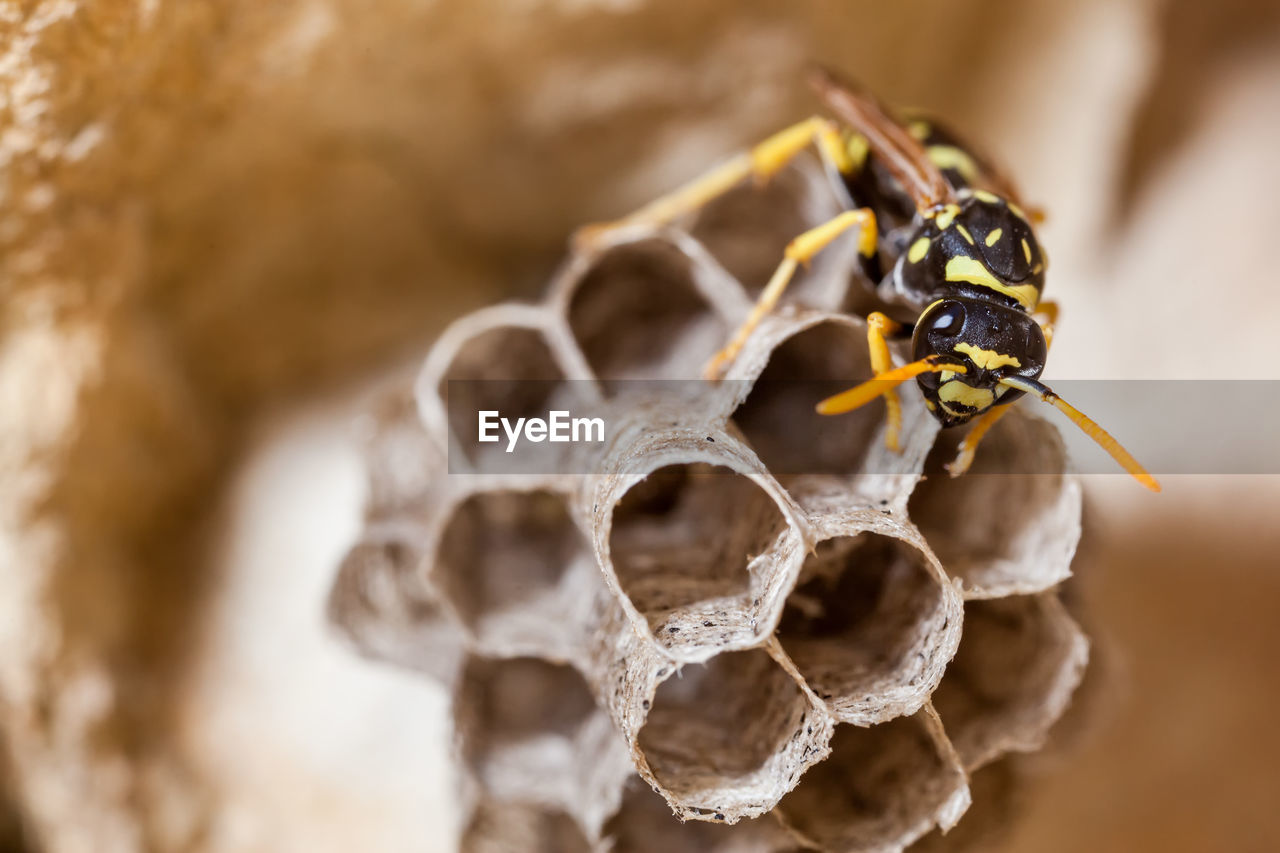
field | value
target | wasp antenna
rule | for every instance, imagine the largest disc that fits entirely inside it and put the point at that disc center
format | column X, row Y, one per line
column 859, row 396
column 1104, row 439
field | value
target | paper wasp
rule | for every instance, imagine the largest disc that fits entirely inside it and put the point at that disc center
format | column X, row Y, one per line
column 960, row 252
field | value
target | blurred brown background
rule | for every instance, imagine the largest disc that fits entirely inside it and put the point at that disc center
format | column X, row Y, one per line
column 223, row 222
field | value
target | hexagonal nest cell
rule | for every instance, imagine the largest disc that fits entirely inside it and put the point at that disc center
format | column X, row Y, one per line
column 864, row 624
column 997, row 790
column 718, row 732
column 719, row 620
column 507, row 369
column 778, row 418
column 400, row 458
column 882, row 788
column 747, row 230
column 382, row 604
column 684, row 541
column 1012, row 523
column 516, row 569
column 785, row 369
column 644, row 823
column 1019, row 662
column 498, row 827
column 640, row 312
column 518, row 720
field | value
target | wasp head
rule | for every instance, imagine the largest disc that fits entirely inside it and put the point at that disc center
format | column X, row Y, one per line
column 990, row 341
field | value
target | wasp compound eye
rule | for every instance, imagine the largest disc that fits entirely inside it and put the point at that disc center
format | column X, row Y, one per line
column 948, row 319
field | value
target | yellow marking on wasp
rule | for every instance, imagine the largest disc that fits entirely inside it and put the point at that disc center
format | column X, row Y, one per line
column 929, row 404
column 988, row 197
column 919, row 129
column 1019, row 212
column 964, row 232
column 947, row 215
column 963, row 268
column 918, row 250
column 994, row 237
column 858, row 149
column 946, row 375
column 1037, row 269
column 966, row 395
column 987, row 359
column 950, row 157
column 1026, row 249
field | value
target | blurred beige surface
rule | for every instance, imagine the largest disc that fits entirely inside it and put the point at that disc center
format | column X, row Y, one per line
column 214, row 214
column 1181, row 755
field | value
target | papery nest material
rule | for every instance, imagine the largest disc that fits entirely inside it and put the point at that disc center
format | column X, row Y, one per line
column 774, row 621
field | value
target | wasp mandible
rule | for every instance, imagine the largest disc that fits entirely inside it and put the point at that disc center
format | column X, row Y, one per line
column 947, row 238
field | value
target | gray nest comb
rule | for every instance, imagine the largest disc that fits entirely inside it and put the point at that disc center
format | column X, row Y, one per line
column 793, row 637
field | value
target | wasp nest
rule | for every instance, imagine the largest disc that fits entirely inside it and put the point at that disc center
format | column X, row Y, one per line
column 793, row 637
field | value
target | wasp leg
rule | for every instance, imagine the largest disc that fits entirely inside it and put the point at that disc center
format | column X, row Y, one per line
column 879, row 329
column 1049, row 309
column 763, row 162
column 969, row 446
column 799, row 251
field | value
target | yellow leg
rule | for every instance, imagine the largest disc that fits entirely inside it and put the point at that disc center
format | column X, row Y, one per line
column 969, row 447
column 879, row 327
column 799, row 251
column 763, row 161
column 1049, row 309
column 860, row 395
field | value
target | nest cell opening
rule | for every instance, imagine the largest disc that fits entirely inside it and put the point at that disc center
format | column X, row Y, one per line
column 863, row 623
column 506, row 561
column 685, row 542
column 519, row 719
column 638, row 314
column 1011, row 523
column 379, row 595
column 998, row 793
column 719, row 727
column 748, row 228
column 508, row 827
column 882, row 788
column 400, row 457
column 510, row 370
column 778, row 417
column 644, row 823
column 1019, row 661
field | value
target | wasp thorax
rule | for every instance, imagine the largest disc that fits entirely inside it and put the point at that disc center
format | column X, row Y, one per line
column 987, row 341
column 980, row 246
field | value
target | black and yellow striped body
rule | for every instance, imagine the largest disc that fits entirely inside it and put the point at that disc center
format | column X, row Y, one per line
column 951, row 256
column 981, row 247
column 967, row 274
